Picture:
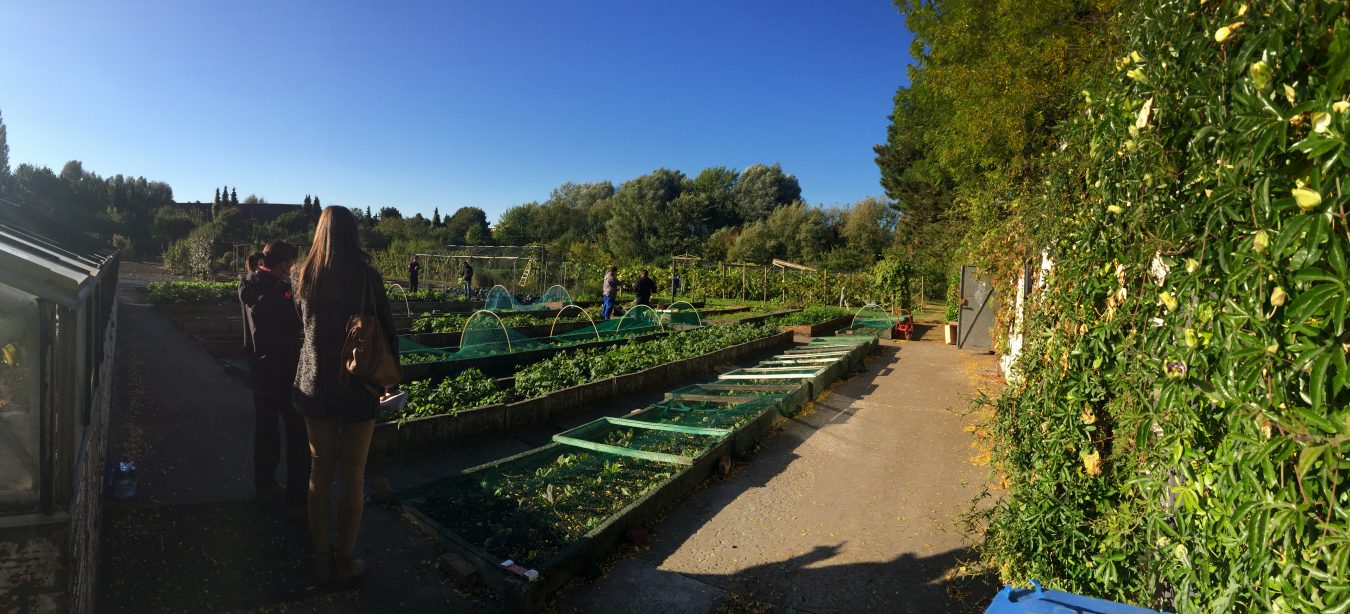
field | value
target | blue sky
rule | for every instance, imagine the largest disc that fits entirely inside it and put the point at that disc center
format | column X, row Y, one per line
column 446, row 104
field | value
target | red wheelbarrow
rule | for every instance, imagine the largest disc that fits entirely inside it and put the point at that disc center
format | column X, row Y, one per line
column 904, row 325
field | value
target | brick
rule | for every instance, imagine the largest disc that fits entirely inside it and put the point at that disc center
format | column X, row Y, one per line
column 460, row 571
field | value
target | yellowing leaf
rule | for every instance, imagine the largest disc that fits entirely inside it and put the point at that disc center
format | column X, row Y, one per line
column 1141, row 121
column 1289, row 93
column 1321, row 121
column 1114, row 209
column 1261, row 241
column 1168, row 301
column 1223, row 33
column 1092, row 462
column 1137, row 75
column 1277, row 296
column 1340, row 106
column 1260, row 74
column 1307, row 199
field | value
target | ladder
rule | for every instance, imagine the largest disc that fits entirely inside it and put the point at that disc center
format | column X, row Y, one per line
column 525, row 277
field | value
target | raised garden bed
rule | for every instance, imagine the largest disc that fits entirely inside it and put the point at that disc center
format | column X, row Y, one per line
column 530, row 523
column 394, row 438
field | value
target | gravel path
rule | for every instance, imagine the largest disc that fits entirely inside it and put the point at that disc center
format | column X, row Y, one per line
column 854, row 506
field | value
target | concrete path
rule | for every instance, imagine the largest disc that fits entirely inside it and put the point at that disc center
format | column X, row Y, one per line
column 854, row 506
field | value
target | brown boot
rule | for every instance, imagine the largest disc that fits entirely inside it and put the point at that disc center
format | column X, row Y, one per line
column 348, row 570
column 323, row 568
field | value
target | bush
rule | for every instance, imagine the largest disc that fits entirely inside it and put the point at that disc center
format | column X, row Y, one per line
column 1178, row 433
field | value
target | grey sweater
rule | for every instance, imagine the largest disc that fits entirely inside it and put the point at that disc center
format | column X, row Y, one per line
column 322, row 389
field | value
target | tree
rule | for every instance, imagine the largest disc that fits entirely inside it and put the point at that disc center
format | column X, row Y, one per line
column 640, row 227
column 867, row 228
column 172, row 224
column 436, row 217
column 761, row 189
column 4, row 156
column 517, row 225
column 459, row 224
column 794, row 232
column 319, row 206
column 215, row 202
column 308, row 202
column 390, row 213
column 234, row 197
column 254, row 199
column 716, row 186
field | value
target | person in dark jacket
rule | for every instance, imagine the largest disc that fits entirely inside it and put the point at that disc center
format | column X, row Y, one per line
column 643, row 288
column 609, row 292
column 272, row 344
column 466, row 275
column 337, row 282
column 414, row 271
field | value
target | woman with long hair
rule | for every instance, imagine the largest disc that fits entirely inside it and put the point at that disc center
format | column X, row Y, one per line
column 336, row 282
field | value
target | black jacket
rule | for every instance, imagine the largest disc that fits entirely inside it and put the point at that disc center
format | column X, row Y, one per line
column 643, row 288
column 322, row 389
column 272, row 332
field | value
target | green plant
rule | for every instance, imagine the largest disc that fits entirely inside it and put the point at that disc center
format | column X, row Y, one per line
column 190, row 292
column 581, row 366
column 467, row 390
column 1178, row 431
column 953, row 310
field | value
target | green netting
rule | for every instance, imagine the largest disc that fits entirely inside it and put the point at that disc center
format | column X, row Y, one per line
column 555, row 298
column 734, row 389
column 872, row 317
column 530, row 508
column 703, row 414
column 500, row 299
column 586, row 332
column 681, row 315
column 485, row 334
column 640, row 320
column 627, row 440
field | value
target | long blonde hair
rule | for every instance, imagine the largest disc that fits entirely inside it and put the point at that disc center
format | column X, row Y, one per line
column 335, row 262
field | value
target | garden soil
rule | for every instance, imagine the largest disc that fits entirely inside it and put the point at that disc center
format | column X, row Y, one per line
column 853, row 506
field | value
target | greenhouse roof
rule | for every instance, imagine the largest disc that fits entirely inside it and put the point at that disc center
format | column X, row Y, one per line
column 47, row 258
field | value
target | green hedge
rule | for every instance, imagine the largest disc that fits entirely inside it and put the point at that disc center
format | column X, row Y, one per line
column 809, row 316
column 1179, row 432
column 192, row 292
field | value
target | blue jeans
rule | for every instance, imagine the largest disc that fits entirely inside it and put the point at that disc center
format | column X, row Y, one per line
column 608, row 307
column 468, row 291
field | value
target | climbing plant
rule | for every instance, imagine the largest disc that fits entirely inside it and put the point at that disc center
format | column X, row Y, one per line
column 1177, row 433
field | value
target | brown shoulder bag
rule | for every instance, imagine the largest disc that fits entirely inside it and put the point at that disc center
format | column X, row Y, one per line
column 366, row 353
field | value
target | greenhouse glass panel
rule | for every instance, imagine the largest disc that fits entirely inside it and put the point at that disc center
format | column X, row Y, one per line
column 20, row 400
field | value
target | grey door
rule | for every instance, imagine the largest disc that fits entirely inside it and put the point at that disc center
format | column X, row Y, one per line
column 978, row 307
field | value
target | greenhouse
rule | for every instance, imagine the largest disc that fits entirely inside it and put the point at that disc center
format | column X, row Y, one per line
column 57, row 331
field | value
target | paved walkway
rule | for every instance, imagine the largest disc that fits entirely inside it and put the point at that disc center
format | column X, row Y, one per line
column 851, row 507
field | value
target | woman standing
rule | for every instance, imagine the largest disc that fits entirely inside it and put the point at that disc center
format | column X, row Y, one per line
column 336, row 282
column 272, row 343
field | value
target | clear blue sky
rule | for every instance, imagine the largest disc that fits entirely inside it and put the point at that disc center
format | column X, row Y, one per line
column 426, row 104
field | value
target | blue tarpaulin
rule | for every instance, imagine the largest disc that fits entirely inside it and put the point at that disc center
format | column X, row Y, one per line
column 1040, row 601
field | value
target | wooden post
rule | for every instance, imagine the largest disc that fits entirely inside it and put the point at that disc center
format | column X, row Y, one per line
column 766, row 285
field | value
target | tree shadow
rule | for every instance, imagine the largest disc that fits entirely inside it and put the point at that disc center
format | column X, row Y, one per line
column 907, row 583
